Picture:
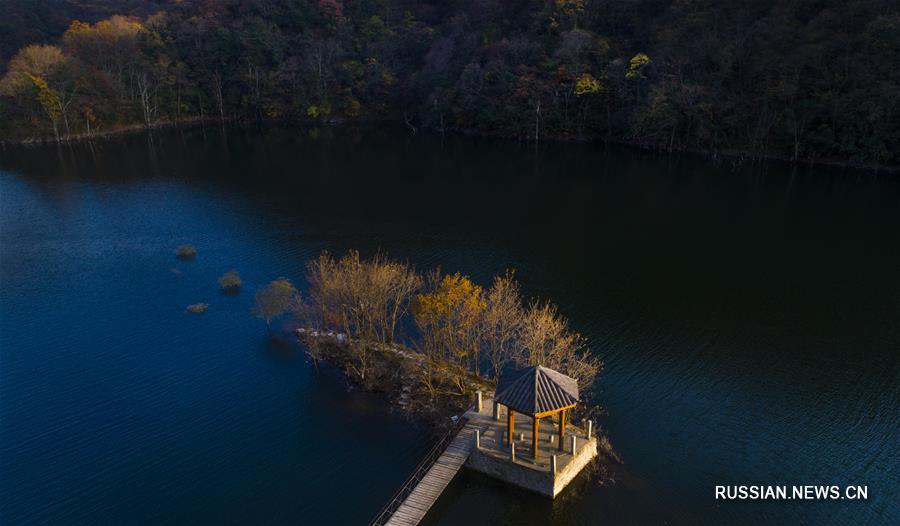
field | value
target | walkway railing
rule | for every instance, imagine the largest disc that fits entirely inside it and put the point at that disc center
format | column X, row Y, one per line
column 430, row 458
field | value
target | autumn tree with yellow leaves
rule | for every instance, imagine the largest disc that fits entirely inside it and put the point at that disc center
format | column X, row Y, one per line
column 37, row 73
column 449, row 316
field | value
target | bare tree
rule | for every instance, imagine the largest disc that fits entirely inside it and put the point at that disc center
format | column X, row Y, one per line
column 547, row 340
column 397, row 282
column 217, row 88
column 147, row 89
column 502, row 322
column 430, row 338
column 365, row 299
column 320, row 56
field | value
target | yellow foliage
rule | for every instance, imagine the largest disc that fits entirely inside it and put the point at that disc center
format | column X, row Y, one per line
column 48, row 97
column 353, row 107
column 636, row 66
column 586, row 84
column 456, row 296
column 110, row 30
column 567, row 9
column 450, row 313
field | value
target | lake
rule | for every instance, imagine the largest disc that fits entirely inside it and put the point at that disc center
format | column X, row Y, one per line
column 749, row 318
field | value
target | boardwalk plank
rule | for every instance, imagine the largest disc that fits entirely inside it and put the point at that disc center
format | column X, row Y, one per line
column 438, row 477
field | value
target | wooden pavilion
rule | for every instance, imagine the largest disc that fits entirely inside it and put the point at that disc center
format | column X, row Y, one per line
column 538, row 392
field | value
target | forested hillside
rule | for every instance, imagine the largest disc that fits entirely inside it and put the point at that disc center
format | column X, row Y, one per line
column 800, row 79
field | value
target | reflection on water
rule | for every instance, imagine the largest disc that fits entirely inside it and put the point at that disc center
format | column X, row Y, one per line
column 747, row 315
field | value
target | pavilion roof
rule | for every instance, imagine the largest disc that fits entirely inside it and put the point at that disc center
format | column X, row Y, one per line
column 537, row 390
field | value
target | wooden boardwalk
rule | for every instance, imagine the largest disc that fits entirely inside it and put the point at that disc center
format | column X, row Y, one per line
column 427, row 490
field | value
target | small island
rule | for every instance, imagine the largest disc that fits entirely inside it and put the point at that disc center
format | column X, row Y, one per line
column 430, row 340
column 438, row 344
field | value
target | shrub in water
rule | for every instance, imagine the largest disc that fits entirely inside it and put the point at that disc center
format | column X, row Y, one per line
column 197, row 308
column 186, row 251
column 230, row 281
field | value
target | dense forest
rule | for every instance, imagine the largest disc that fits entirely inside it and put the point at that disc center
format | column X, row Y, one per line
column 799, row 79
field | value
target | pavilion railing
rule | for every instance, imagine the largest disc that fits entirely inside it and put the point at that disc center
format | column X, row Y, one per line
column 418, row 474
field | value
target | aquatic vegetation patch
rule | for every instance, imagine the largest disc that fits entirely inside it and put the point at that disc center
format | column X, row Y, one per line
column 197, row 308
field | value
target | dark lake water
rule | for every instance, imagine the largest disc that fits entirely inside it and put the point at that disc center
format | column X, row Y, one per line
column 749, row 318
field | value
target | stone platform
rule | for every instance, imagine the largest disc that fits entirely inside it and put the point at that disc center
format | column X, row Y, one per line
column 493, row 456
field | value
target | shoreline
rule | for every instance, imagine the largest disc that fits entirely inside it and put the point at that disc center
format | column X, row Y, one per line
column 396, row 371
column 119, row 131
column 736, row 156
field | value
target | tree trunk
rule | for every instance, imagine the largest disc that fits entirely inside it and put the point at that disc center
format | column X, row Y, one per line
column 63, row 108
column 217, row 84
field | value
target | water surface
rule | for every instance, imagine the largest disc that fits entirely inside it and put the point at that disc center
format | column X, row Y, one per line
column 748, row 317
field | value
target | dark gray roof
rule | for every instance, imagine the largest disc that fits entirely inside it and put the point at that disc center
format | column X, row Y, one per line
column 536, row 390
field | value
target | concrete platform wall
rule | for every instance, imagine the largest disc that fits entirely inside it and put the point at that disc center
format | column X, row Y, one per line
column 529, row 478
column 564, row 476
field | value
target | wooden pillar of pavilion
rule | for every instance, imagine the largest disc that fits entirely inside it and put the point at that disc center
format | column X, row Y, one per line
column 510, row 424
column 562, row 428
column 534, row 438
